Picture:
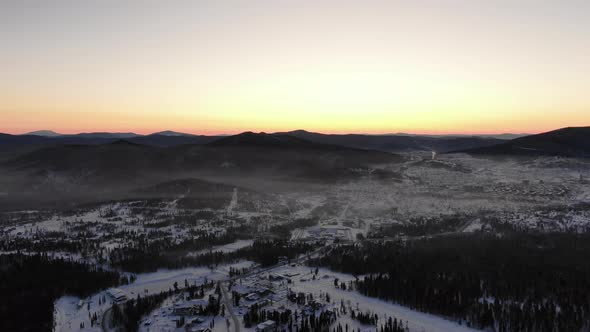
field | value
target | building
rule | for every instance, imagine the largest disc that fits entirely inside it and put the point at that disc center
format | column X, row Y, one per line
column 196, row 327
column 260, row 303
column 117, row 295
column 264, row 291
column 242, row 290
column 278, row 277
column 267, row 326
column 189, row 308
column 291, row 274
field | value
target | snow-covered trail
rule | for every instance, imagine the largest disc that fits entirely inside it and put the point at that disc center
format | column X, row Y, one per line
column 230, row 308
column 233, row 203
column 342, row 216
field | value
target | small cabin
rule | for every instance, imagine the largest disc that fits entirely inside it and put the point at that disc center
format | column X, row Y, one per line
column 267, row 326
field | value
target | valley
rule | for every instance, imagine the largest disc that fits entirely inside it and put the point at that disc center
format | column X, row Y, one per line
column 252, row 251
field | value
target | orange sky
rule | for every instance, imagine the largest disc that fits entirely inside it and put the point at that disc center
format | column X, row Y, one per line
column 209, row 67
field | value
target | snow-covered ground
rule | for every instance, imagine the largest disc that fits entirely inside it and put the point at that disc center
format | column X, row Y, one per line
column 162, row 319
column 68, row 315
column 417, row 321
column 226, row 248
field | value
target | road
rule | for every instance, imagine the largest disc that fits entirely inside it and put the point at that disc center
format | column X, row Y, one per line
column 106, row 319
column 229, row 306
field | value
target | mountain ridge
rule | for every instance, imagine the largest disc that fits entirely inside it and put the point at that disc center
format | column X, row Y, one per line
column 566, row 142
column 387, row 143
column 44, row 133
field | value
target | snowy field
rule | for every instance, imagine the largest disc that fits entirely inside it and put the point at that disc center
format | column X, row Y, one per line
column 417, row 321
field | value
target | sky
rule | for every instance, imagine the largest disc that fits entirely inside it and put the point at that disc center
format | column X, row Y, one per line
column 210, row 67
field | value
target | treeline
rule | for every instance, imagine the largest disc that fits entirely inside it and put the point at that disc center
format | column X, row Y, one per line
column 312, row 315
column 148, row 256
column 365, row 318
column 41, row 243
column 135, row 260
column 317, row 321
column 149, row 253
column 390, row 324
column 29, row 285
column 420, row 226
column 519, row 282
column 235, row 271
column 393, row 325
column 129, row 315
column 14, row 218
column 291, row 321
column 256, row 315
column 269, row 252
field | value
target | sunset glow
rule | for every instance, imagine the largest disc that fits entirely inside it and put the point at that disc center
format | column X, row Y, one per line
column 209, row 67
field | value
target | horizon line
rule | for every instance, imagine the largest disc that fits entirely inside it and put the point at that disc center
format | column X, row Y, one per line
column 230, row 133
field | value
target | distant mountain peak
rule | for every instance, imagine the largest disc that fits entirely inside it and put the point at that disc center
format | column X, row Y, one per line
column 107, row 135
column 45, row 133
column 249, row 138
column 302, row 131
column 171, row 133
